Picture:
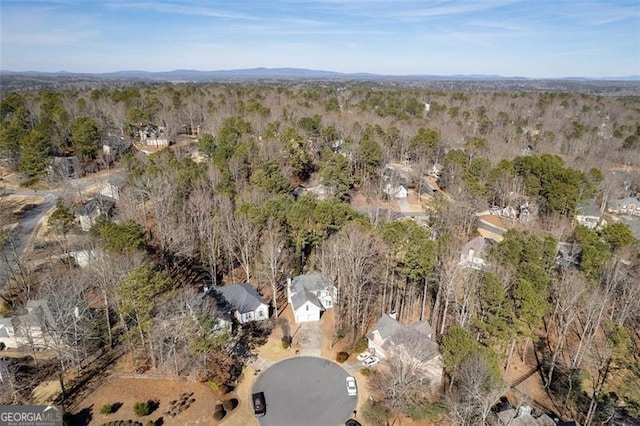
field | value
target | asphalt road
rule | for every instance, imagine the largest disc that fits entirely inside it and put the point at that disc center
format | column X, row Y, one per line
column 305, row 391
column 21, row 234
column 490, row 228
column 24, row 231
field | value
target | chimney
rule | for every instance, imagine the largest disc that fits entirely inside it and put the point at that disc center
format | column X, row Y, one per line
column 471, row 253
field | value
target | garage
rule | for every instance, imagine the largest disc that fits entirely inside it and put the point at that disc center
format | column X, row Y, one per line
column 307, row 311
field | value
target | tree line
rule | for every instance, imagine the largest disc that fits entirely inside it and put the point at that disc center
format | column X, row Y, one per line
column 238, row 216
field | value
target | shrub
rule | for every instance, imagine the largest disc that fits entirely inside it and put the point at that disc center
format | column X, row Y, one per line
column 142, row 408
column 219, row 415
column 362, row 345
column 286, row 342
column 110, row 408
column 231, row 404
column 365, row 372
column 2, row 346
column 342, row 357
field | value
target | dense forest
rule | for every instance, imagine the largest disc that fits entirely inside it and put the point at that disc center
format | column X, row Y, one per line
column 261, row 182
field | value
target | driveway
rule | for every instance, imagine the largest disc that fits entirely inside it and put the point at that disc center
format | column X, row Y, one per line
column 306, row 391
column 309, row 337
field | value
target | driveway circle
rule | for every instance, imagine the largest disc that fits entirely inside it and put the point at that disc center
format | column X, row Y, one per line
column 306, row 391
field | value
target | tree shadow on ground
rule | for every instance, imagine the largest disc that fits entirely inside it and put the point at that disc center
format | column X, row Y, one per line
column 81, row 418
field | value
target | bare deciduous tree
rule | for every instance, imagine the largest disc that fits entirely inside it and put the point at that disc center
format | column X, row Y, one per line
column 241, row 237
column 66, row 323
column 354, row 258
column 405, row 379
column 568, row 293
column 476, row 391
column 9, row 387
column 274, row 259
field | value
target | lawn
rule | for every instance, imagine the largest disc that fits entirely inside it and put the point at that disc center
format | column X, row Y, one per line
column 180, row 402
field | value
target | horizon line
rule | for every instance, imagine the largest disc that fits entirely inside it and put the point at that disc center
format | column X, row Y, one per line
column 352, row 73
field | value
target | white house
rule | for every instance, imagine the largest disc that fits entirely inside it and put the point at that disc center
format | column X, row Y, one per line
column 413, row 343
column 398, row 191
column 436, row 170
column 154, row 136
column 245, row 302
column 86, row 258
column 589, row 215
column 310, row 295
column 26, row 329
column 473, row 254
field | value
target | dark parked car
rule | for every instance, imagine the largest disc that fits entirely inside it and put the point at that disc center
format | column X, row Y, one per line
column 259, row 404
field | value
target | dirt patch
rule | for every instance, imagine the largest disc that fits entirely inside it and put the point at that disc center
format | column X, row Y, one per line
column 13, row 206
column 494, row 220
column 9, row 178
column 197, row 409
column 46, row 392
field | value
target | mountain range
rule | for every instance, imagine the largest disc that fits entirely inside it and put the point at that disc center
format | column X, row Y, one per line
column 181, row 75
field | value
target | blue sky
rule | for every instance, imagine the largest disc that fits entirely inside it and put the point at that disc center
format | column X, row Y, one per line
column 507, row 37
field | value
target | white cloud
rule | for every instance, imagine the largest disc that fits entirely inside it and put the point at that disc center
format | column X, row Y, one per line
column 182, row 9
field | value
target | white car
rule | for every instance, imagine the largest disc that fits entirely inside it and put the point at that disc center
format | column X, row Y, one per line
column 371, row 361
column 364, row 355
column 352, row 390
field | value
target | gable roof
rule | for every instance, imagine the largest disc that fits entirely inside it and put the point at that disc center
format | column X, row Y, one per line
column 116, row 142
column 100, row 202
column 310, row 282
column 395, row 334
column 513, row 417
column 589, row 208
column 242, row 297
column 300, row 298
column 478, row 244
column 628, row 200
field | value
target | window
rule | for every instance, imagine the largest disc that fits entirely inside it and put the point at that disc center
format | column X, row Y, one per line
column 307, row 307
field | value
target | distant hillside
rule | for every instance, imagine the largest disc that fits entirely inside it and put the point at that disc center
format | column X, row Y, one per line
column 29, row 80
column 293, row 73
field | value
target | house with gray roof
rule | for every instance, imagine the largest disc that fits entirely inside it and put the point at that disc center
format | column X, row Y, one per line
column 474, row 253
column 310, row 295
column 625, row 206
column 99, row 205
column 589, row 215
column 114, row 146
column 523, row 416
column 26, row 329
column 245, row 302
column 413, row 343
